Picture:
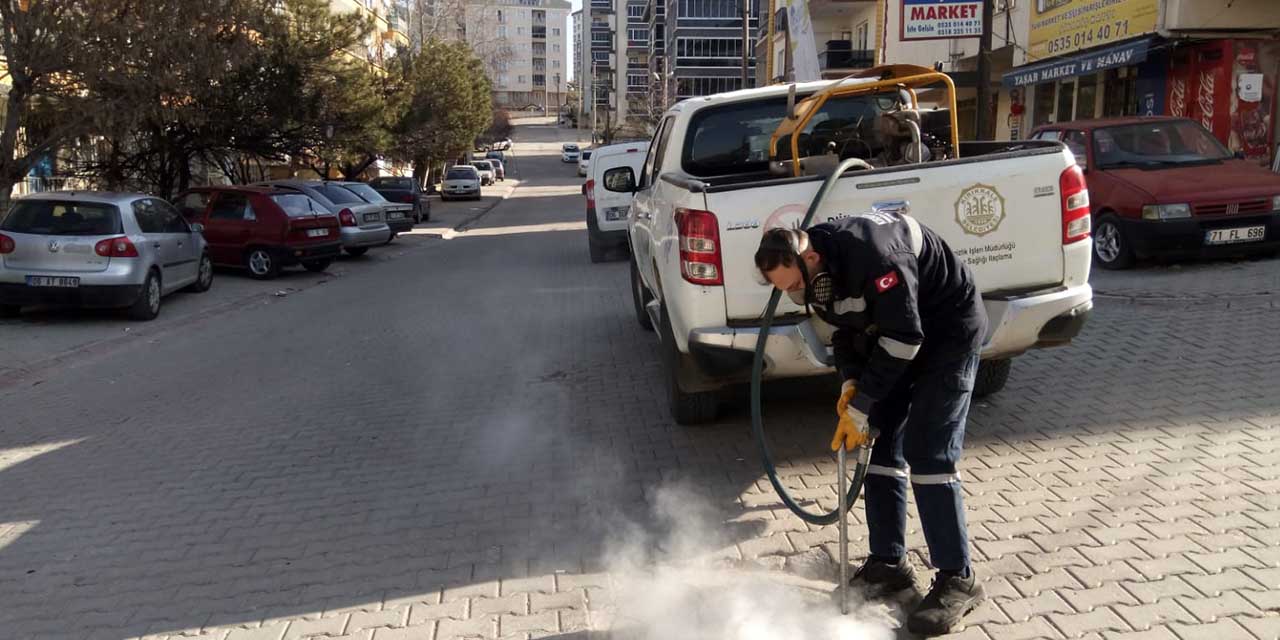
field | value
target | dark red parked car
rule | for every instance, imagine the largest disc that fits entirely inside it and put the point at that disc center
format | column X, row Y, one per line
column 263, row 229
column 1163, row 186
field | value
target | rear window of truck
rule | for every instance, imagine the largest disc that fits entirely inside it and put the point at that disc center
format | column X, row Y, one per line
column 734, row 138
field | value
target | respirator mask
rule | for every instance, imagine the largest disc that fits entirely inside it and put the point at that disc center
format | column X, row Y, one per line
column 819, row 289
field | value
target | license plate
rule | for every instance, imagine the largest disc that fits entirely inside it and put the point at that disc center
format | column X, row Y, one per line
column 53, row 281
column 317, row 233
column 615, row 213
column 395, row 216
column 370, row 217
column 1236, row 235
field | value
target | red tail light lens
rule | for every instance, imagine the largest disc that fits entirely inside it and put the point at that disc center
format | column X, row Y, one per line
column 7, row 245
column 700, row 261
column 591, row 194
column 1076, row 221
column 347, row 218
column 116, row 248
column 408, row 197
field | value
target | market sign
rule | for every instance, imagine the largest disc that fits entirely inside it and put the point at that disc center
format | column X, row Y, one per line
column 1117, row 56
column 940, row 19
column 1063, row 26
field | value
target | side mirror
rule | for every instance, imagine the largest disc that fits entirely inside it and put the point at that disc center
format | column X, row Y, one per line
column 196, row 227
column 620, row 180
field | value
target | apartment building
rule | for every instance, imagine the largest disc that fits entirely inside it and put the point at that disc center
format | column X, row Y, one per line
column 524, row 45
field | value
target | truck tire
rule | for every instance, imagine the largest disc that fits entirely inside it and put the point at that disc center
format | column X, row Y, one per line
column 991, row 378
column 686, row 408
column 640, row 297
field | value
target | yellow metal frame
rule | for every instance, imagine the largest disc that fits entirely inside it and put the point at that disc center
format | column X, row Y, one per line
column 895, row 76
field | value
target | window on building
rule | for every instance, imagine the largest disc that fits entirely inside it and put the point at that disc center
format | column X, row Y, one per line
column 500, row 15
column 692, row 87
column 708, row 52
column 555, row 48
column 520, row 79
column 635, row 11
column 637, row 80
column 555, row 31
column 710, row 9
column 600, row 57
column 555, row 64
column 637, row 36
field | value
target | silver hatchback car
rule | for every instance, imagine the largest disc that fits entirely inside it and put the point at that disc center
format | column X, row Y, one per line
column 97, row 249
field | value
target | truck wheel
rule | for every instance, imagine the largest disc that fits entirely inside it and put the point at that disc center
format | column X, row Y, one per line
column 640, row 297
column 991, row 378
column 686, row 408
column 1110, row 247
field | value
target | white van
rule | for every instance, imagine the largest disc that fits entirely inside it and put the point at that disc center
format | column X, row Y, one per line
column 607, row 210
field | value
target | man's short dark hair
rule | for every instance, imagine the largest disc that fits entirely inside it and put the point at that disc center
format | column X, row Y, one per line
column 780, row 247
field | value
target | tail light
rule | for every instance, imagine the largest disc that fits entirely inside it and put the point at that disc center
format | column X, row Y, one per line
column 1075, row 205
column 699, row 247
column 408, row 197
column 116, row 248
column 7, row 245
column 591, row 194
column 347, row 218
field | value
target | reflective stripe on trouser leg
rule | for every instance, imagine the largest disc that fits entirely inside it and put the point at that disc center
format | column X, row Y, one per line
column 885, row 498
column 941, row 505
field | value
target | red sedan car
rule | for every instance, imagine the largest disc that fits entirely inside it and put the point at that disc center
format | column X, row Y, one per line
column 263, row 229
column 1163, row 186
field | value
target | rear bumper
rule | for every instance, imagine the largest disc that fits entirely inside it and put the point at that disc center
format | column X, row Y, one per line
column 723, row 355
column 357, row 237
column 400, row 226
column 605, row 237
column 87, row 296
column 297, row 253
column 1173, row 238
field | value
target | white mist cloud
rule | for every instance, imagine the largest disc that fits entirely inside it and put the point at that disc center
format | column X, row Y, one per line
column 679, row 582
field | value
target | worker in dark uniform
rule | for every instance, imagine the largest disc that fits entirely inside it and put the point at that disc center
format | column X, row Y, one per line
column 909, row 327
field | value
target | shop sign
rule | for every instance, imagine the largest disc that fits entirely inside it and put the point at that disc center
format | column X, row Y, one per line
column 1059, row 27
column 940, row 19
column 1118, row 56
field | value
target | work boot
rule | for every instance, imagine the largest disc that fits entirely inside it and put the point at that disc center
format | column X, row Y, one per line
column 950, row 598
column 879, row 579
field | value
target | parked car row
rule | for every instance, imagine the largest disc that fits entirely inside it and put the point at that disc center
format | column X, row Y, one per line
column 128, row 250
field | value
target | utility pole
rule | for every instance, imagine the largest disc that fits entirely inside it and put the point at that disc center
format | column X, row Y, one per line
column 983, row 119
column 746, row 38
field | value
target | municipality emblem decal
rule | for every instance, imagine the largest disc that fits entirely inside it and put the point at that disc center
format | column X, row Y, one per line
column 980, row 209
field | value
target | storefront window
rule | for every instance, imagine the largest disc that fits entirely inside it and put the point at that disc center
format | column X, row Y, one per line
column 1120, row 93
column 1087, row 97
column 1066, row 100
column 1045, row 94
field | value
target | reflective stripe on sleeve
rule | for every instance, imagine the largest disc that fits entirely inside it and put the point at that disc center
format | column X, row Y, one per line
column 850, row 305
column 898, row 349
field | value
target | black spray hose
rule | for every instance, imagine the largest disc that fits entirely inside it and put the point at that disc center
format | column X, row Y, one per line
column 863, row 453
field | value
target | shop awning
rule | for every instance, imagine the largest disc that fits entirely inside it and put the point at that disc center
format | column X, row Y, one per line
column 1120, row 55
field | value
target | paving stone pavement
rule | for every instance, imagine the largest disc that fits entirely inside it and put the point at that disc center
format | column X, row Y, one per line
column 454, row 446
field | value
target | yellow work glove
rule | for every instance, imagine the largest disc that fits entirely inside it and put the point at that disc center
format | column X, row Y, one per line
column 852, row 429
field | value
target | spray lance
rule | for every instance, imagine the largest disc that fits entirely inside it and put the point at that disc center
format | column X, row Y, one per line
column 847, row 496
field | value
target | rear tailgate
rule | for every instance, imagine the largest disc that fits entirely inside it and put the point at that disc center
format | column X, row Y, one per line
column 1000, row 213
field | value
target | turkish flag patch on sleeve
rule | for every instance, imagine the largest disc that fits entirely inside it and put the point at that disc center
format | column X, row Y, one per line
column 887, row 281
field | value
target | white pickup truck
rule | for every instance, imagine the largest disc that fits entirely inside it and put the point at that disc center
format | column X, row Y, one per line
column 1017, row 213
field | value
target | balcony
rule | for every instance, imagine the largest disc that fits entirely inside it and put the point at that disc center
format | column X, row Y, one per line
column 539, row 50
column 538, row 33
column 602, row 5
column 840, row 57
column 642, row 45
column 539, row 81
